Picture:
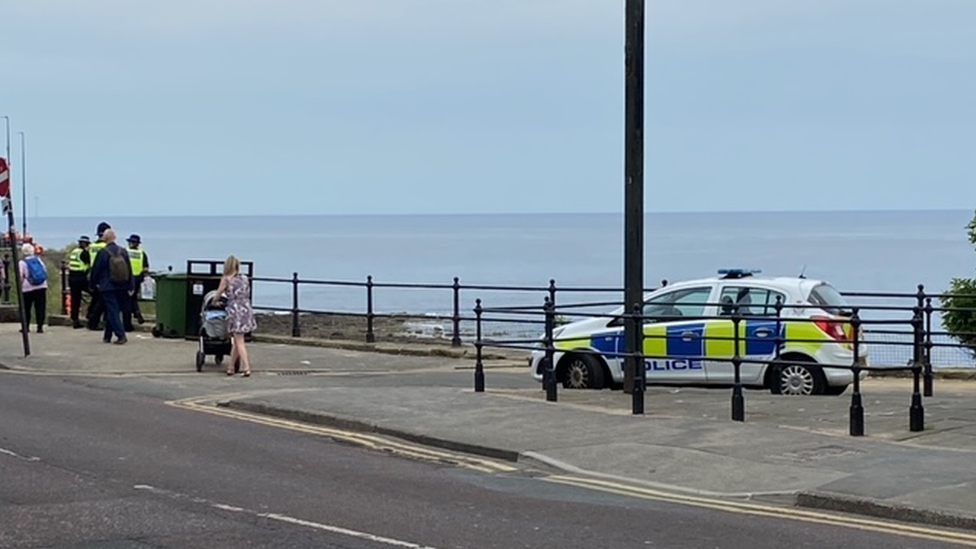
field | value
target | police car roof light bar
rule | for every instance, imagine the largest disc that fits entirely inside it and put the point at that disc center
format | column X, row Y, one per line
column 738, row 273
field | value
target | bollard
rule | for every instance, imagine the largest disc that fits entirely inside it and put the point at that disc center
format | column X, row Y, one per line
column 738, row 400
column 370, row 336
column 479, row 367
column 551, row 380
column 65, row 290
column 857, row 404
column 929, row 378
column 456, row 320
column 916, row 414
column 296, row 330
column 640, row 376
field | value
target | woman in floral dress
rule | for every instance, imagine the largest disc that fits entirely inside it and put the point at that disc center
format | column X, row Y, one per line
column 240, row 315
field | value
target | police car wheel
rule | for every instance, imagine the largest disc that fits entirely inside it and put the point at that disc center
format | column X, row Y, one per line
column 798, row 379
column 582, row 372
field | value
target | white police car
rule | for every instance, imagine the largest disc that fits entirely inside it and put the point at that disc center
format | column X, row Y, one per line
column 688, row 337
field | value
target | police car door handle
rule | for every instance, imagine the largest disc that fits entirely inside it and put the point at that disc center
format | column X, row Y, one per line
column 689, row 335
column 763, row 332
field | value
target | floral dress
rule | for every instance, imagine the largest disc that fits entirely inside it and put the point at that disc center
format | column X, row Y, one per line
column 240, row 315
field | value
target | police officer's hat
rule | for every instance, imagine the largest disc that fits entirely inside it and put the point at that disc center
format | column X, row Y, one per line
column 102, row 227
column 134, row 239
column 84, row 240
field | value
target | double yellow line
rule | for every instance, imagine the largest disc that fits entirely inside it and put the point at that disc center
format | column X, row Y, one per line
column 372, row 442
column 753, row 509
column 413, row 451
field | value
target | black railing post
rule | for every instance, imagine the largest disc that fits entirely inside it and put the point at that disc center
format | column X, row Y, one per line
column 6, row 279
column 738, row 400
column 550, row 378
column 640, row 376
column 370, row 336
column 778, row 307
column 857, row 404
column 479, row 366
column 296, row 330
column 916, row 413
column 65, row 290
column 929, row 378
column 552, row 291
column 456, row 319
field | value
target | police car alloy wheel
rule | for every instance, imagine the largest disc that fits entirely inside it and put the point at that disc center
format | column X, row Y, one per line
column 582, row 372
column 798, row 379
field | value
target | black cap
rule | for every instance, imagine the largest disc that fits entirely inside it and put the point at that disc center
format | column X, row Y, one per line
column 84, row 240
column 102, row 227
column 134, row 239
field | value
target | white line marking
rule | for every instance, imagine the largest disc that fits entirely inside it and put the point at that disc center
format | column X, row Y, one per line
column 286, row 519
column 18, row 456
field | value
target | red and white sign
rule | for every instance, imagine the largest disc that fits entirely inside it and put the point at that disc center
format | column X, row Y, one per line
column 4, row 178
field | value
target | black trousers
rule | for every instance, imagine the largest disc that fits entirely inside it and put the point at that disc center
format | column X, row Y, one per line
column 131, row 307
column 78, row 283
column 96, row 309
column 36, row 299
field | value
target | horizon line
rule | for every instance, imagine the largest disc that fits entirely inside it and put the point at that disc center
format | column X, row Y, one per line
column 499, row 213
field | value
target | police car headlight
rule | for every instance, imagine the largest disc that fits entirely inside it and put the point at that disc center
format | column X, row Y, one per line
column 541, row 342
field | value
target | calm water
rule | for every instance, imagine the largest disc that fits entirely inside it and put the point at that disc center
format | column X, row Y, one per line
column 856, row 251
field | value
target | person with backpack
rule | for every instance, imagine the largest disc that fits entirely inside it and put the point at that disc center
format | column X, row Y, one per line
column 33, row 277
column 112, row 276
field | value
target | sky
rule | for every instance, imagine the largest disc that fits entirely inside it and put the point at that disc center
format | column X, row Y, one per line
column 280, row 107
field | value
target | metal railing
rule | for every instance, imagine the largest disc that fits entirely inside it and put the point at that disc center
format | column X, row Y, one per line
column 553, row 370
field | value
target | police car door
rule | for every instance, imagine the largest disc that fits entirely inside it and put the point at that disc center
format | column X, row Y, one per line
column 674, row 335
column 757, row 333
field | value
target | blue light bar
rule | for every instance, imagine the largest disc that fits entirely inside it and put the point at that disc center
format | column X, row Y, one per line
column 739, row 272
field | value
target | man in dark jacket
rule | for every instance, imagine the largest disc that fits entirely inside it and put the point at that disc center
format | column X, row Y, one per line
column 112, row 276
column 96, row 309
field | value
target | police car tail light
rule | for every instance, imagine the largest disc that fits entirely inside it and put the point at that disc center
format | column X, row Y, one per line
column 831, row 327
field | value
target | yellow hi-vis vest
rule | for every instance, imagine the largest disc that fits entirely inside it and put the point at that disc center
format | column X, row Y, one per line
column 75, row 264
column 94, row 249
column 135, row 259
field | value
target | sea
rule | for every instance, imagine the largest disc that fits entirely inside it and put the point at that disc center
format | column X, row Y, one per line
column 856, row 251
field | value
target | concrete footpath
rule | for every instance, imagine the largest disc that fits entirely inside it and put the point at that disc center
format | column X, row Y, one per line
column 790, row 450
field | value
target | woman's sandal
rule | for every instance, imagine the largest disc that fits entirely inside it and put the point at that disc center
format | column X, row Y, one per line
column 230, row 372
column 247, row 373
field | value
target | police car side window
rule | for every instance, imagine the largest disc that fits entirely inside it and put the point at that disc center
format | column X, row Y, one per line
column 685, row 303
column 751, row 301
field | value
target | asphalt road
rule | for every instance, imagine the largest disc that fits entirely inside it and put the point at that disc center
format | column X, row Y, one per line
column 96, row 465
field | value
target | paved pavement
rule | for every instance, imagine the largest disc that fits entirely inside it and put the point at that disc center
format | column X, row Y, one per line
column 790, row 450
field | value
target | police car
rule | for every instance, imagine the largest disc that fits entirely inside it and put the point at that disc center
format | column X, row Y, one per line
column 688, row 337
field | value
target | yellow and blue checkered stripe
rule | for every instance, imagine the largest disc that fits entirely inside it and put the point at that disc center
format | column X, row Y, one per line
column 710, row 340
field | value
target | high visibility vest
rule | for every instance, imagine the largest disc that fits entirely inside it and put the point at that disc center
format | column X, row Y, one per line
column 94, row 249
column 75, row 264
column 135, row 259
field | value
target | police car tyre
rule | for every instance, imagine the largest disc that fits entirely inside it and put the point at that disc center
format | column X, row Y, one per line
column 801, row 377
column 581, row 371
column 200, row 359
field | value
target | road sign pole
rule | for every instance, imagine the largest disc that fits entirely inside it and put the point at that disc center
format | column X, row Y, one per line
column 6, row 182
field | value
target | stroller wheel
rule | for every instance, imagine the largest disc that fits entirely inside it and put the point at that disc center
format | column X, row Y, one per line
column 218, row 359
column 200, row 359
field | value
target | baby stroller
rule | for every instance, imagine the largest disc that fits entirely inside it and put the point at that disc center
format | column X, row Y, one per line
column 214, row 339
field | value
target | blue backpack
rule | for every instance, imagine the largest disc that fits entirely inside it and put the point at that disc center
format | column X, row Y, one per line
column 36, row 273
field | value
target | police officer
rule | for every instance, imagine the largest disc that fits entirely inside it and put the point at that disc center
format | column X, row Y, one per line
column 140, row 266
column 96, row 309
column 79, row 263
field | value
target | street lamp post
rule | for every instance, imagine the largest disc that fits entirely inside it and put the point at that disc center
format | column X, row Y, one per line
column 23, row 183
column 634, row 373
